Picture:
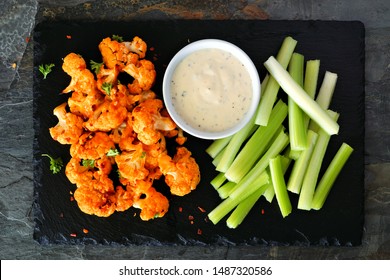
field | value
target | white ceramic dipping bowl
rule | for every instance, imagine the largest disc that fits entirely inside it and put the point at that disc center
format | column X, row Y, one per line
column 207, row 45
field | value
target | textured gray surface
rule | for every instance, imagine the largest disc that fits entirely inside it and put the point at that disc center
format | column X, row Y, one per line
column 16, row 129
column 14, row 34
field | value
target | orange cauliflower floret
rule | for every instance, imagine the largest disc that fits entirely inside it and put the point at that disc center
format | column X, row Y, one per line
column 83, row 104
column 143, row 73
column 123, row 97
column 152, row 154
column 82, row 79
column 148, row 122
column 124, row 199
column 116, row 53
column 92, row 145
column 77, row 173
column 96, row 197
column 152, row 203
column 137, row 46
column 181, row 173
column 131, row 165
column 107, row 76
column 69, row 127
column 125, row 136
column 109, row 115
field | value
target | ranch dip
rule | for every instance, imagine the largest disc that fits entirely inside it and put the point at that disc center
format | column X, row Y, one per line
column 211, row 90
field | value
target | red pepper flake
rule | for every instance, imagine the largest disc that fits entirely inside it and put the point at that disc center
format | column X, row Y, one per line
column 190, row 217
column 151, row 49
column 27, row 39
column 85, row 230
column 68, row 37
column 201, row 209
column 71, row 198
column 199, row 231
column 73, row 235
column 262, row 211
column 180, row 209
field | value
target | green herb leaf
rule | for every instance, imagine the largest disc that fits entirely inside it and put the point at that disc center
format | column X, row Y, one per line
column 107, row 88
column 117, row 38
column 55, row 164
column 95, row 66
column 45, row 69
column 112, row 152
column 88, row 163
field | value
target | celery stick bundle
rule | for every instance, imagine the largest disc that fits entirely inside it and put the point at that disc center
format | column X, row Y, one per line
column 253, row 162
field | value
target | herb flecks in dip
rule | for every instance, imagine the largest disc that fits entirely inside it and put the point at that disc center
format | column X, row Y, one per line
column 211, row 90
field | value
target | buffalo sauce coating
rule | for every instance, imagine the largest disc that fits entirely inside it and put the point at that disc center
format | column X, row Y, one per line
column 211, row 90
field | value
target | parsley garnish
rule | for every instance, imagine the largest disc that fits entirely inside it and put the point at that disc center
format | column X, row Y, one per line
column 88, row 162
column 45, row 69
column 112, row 152
column 55, row 164
column 117, row 38
column 107, row 88
column 95, row 66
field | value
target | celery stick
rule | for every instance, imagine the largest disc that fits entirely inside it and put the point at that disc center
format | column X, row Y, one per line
column 295, row 154
column 269, row 193
column 217, row 146
column 264, row 83
column 218, row 180
column 234, row 146
column 325, row 95
column 292, row 154
column 218, row 157
column 256, row 144
column 222, row 209
column 280, row 188
column 226, row 189
column 242, row 209
column 310, row 82
column 268, row 97
column 297, row 129
column 330, row 176
column 277, row 146
column 294, row 183
column 311, row 176
column 236, row 197
column 308, row 105
column 311, row 77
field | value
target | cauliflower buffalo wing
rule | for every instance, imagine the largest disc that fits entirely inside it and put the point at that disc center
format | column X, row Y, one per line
column 152, row 203
column 92, row 145
column 109, row 115
column 69, row 127
column 82, row 79
column 131, row 165
column 143, row 73
column 97, row 197
column 181, row 173
column 148, row 122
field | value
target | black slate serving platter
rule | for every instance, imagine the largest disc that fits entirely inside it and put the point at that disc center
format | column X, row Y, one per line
column 339, row 46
